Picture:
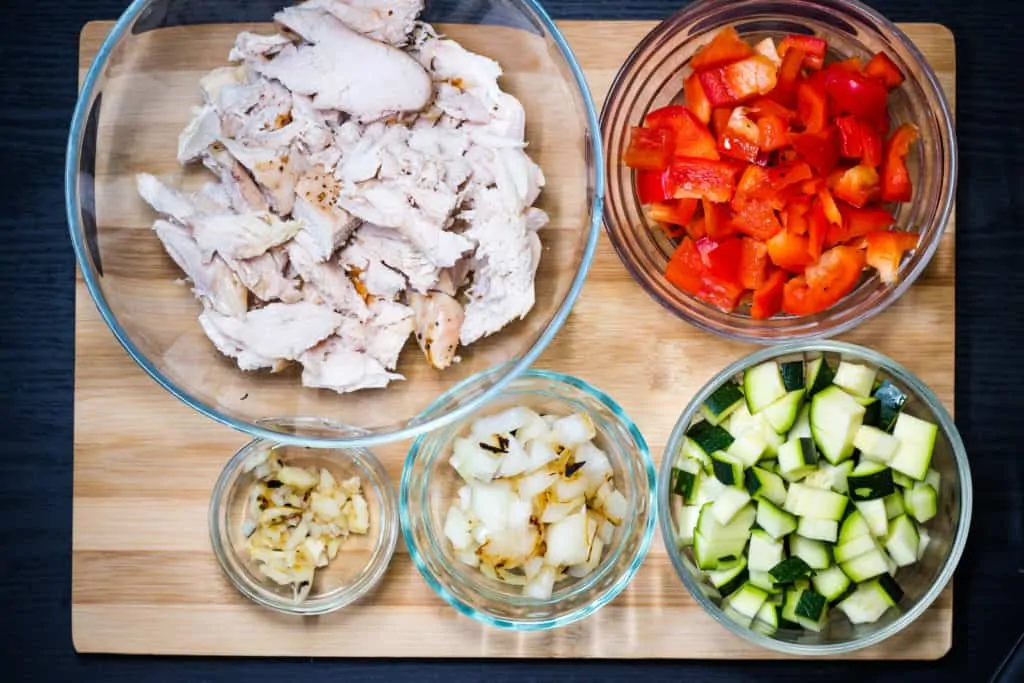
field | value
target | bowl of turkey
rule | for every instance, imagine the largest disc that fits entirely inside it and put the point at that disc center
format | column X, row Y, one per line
column 338, row 209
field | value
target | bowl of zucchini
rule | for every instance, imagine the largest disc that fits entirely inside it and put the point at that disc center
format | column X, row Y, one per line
column 815, row 497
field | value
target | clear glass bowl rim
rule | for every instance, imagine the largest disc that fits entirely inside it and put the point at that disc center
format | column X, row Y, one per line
column 353, row 438
column 582, row 612
column 694, row 13
column 948, row 428
column 389, row 525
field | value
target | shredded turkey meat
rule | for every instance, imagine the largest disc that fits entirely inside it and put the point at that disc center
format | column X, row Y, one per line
column 370, row 184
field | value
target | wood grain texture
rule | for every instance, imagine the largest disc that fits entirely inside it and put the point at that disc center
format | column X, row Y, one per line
column 144, row 579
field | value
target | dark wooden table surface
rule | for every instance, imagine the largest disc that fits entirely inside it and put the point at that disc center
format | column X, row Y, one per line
column 38, row 58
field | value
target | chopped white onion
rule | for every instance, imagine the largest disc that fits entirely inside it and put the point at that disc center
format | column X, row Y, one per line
column 574, row 429
column 541, row 586
column 456, row 529
column 567, row 540
column 515, row 461
column 504, row 422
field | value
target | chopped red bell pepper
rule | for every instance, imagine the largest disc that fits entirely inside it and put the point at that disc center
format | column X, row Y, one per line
column 852, row 64
column 885, row 251
column 882, row 68
column 857, row 186
column 812, row 106
column 790, row 251
column 813, row 48
column 789, row 73
column 753, row 269
column 851, row 92
column 825, row 282
column 787, row 174
column 828, row 205
column 820, row 150
column 740, row 138
column 697, row 228
column 691, row 138
column 817, row 229
column 722, row 294
column 652, row 186
column 774, row 133
column 896, row 183
column 765, row 106
column 857, row 223
column 696, row 101
column 718, row 223
column 685, row 267
column 733, row 83
column 649, row 149
column 722, row 258
column 726, row 47
column 720, row 120
column 757, row 219
column 755, row 183
column 767, row 299
column 701, row 179
column 674, row 211
column 858, row 139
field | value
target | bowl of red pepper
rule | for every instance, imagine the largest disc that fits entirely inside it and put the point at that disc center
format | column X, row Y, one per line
column 777, row 171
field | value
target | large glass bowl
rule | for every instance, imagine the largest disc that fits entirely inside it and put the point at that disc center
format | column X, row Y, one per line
column 145, row 79
column 430, row 484
column 921, row 582
column 652, row 77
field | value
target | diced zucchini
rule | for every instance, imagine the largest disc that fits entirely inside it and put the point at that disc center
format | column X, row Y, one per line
column 835, row 418
column 902, row 541
column 776, row 522
column 867, row 566
column 722, row 402
column 802, row 427
column 811, row 602
column 819, row 375
column 762, row 484
column 708, row 437
column 782, row 414
column 921, row 502
column 792, row 375
column 748, row 447
column 818, row 529
column 747, row 600
column 891, row 400
column 765, row 552
column 727, row 469
column 729, row 579
column 684, row 484
column 891, row 588
column 855, row 378
column 870, row 480
column 925, row 539
column 693, row 452
column 933, row 479
column 788, row 611
column 872, row 411
column 844, row 552
column 894, row 505
column 767, row 619
column 790, row 570
column 902, row 480
column 831, row 582
column 728, row 504
column 867, row 604
column 762, row 386
column 917, row 442
column 874, row 514
column 874, row 444
column 709, row 552
column 815, row 553
column 773, row 440
column 708, row 490
column 797, row 458
column 764, row 581
column 853, row 527
column 686, row 524
column 828, row 476
column 806, row 501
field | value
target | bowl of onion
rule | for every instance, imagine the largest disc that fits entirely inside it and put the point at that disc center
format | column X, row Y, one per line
column 534, row 512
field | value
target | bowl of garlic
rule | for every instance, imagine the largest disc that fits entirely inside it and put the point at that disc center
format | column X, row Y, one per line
column 534, row 512
column 303, row 531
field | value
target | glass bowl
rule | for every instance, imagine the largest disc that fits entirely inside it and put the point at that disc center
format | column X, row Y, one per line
column 362, row 559
column 921, row 582
column 135, row 99
column 430, row 484
column 652, row 77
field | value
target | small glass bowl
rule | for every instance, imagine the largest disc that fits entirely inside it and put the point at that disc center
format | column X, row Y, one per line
column 921, row 582
column 652, row 77
column 363, row 558
column 430, row 484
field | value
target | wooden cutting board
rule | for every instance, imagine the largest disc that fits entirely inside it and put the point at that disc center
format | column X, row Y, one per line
column 145, row 581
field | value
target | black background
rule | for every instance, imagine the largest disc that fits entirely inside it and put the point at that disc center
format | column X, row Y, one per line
column 38, row 63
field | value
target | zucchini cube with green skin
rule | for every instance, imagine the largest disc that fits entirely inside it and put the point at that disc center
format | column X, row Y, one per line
column 730, row 579
column 832, row 477
column 767, row 619
column 873, row 512
column 818, row 529
column 835, row 418
column 902, row 541
column 747, row 601
column 815, row 553
column 802, row 427
column 686, row 524
column 867, row 604
column 807, row 501
column 921, row 502
column 917, row 442
column 762, row 386
column 867, row 566
column 782, row 414
column 819, row 375
column 762, row 484
column 721, row 403
column 797, row 459
column 870, row 480
column 728, row 504
column 748, row 447
column 684, row 484
column 855, row 379
column 891, row 400
column 849, row 550
column 790, row 570
column 874, row 444
column 933, row 479
column 894, row 505
column 778, row 523
column 727, row 468
column 764, row 552
column 831, row 582
column 763, row 580
column 811, row 609
column 708, row 437
column 792, row 375
column 853, row 527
